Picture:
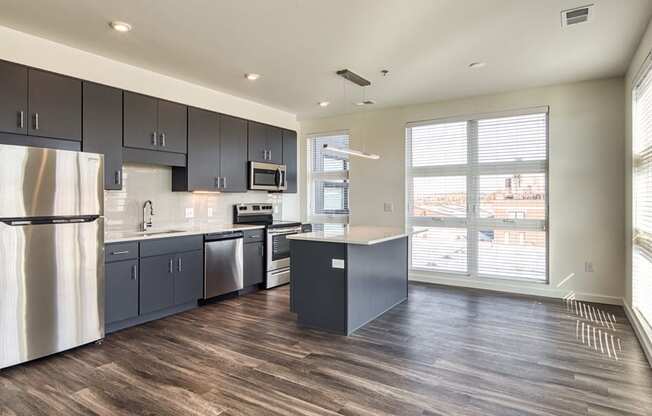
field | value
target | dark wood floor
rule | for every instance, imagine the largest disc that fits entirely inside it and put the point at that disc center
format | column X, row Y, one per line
column 443, row 352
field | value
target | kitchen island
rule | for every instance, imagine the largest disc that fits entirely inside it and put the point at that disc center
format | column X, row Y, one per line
column 345, row 278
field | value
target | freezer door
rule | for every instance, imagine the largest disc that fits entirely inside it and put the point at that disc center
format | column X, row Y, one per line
column 48, row 183
column 51, row 288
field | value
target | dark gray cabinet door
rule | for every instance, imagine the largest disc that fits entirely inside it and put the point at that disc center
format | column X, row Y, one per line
column 121, row 291
column 274, row 145
column 188, row 277
column 233, row 154
column 254, row 263
column 102, row 129
column 13, row 98
column 257, row 142
column 203, row 150
column 290, row 159
column 156, row 283
column 55, row 106
column 172, row 127
column 140, row 121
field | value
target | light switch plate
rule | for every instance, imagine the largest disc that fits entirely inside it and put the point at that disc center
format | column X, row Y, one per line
column 337, row 263
column 190, row 212
column 388, row 207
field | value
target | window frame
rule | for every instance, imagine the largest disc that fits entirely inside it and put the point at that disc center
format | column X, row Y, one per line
column 473, row 170
column 641, row 240
column 319, row 214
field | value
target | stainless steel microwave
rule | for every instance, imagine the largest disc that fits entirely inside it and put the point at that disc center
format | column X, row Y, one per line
column 267, row 177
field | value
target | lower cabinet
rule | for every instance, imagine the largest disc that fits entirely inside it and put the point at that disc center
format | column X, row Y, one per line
column 189, row 277
column 156, row 283
column 170, row 280
column 152, row 279
column 121, row 291
column 254, row 263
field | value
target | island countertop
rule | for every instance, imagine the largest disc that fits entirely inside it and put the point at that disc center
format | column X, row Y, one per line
column 362, row 235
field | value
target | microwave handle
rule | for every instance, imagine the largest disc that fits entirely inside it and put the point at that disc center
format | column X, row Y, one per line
column 277, row 177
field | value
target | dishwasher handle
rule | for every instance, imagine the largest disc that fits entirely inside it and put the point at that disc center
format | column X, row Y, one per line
column 223, row 236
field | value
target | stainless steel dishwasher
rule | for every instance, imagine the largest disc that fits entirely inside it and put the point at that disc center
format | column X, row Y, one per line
column 223, row 254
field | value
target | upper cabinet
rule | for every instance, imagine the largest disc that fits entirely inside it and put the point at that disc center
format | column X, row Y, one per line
column 217, row 154
column 153, row 124
column 13, row 100
column 265, row 143
column 290, row 159
column 55, row 106
column 233, row 153
column 102, row 129
column 202, row 171
column 39, row 103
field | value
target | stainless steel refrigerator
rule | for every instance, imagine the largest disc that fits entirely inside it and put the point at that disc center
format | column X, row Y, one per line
column 51, row 251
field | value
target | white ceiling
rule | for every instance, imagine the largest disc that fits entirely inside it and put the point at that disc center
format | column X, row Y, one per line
column 297, row 45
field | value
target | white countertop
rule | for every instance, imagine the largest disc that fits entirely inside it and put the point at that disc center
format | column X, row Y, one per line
column 364, row 235
column 121, row 236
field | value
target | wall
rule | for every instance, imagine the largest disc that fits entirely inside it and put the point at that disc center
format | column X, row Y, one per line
column 41, row 53
column 124, row 209
column 586, row 178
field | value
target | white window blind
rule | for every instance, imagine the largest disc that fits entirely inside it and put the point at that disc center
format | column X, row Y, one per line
column 642, row 192
column 478, row 187
column 328, row 179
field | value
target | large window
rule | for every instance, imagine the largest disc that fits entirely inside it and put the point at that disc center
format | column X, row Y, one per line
column 328, row 179
column 642, row 192
column 477, row 191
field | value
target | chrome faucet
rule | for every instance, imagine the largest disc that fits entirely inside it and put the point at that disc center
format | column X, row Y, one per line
column 147, row 224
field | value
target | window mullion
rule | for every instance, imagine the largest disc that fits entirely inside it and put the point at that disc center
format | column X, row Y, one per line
column 472, row 197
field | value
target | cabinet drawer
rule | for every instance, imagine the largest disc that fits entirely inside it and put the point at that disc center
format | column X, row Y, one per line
column 171, row 245
column 254, row 236
column 121, row 251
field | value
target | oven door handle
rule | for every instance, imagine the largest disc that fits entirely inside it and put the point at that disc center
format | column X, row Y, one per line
column 296, row 231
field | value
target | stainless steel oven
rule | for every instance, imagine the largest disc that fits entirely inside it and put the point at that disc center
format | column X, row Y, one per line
column 277, row 246
column 267, row 177
column 278, row 254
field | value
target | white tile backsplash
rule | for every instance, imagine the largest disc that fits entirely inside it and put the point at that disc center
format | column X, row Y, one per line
column 124, row 209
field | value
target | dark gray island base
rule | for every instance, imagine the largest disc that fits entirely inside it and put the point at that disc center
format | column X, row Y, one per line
column 340, row 286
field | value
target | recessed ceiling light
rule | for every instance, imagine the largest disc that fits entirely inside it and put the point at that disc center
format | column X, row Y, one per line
column 477, row 64
column 251, row 76
column 365, row 102
column 323, row 103
column 120, row 26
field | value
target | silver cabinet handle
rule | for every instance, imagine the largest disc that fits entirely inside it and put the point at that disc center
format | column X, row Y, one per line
column 21, row 119
column 35, row 121
column 117, row 253
column 118, row 177
column 262, row 251
column 162, row 135
column 154, row 138
column 270, row 154
column 217, row 182
column 170, row 267
column 179, row 264
column 223, row 182
column 134, row 272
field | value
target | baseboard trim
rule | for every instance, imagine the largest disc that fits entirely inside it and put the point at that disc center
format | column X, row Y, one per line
column 521, row 288
column 644, row 335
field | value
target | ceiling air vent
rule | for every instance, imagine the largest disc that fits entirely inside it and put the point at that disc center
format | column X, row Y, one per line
column 576, row 16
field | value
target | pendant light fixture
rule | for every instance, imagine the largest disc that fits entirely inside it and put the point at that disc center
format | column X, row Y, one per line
column 358, row 80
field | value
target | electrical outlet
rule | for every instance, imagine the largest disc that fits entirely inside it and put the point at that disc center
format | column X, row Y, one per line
column 190, row 212
column 588, row 266
column 210, row 212
column 388, row 207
